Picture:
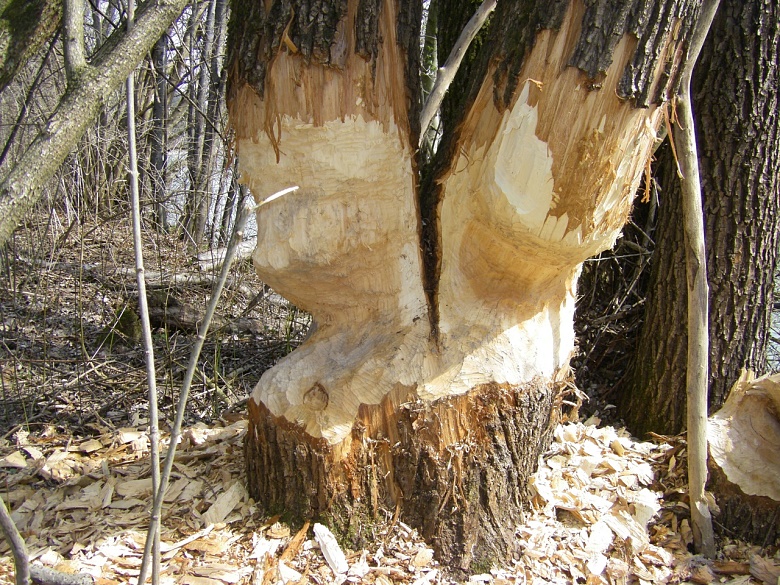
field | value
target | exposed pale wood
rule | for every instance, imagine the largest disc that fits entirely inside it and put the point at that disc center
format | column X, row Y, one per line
column 411, row 396
column 744, row 437
column 536, row 189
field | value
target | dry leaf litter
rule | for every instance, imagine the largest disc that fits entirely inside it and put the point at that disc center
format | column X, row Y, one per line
column 606, row 509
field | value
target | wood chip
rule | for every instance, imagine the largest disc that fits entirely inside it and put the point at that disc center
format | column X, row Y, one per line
column 764, row 570
column 423, row 558
column 295, row 543
column 14, row 460
column 225, row 504
column 330, row 549
column 134, row 488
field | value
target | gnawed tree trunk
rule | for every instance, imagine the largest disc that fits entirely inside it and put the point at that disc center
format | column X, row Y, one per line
column 738, row 126
column 444, row 308
column 744, row 436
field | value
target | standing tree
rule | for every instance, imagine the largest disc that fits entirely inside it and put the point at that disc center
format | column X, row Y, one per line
column 444, row 305
column 738, row 126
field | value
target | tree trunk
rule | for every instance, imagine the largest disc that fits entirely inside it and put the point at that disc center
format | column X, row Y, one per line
column 444, row 307
column 21, row 187
column 25, row 26
column 738, row 128
column 159, row 142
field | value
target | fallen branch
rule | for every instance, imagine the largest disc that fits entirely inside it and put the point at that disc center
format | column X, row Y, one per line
column 214, row 259
column 16, row 542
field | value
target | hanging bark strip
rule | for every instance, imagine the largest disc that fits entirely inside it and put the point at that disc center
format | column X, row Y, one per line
column 698, row 295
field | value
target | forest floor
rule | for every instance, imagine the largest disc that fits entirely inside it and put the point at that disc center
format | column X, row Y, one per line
column 74, row 449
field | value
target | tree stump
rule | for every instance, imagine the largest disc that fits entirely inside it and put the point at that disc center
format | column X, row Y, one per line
column 458, row 467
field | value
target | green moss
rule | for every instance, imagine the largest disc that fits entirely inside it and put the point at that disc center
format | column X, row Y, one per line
column 126, row 328
column 352, row 526
column 481, row 566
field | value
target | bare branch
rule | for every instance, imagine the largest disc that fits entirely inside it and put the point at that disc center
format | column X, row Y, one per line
column 21, row 188
column 154, row 524
column 697, row 371
column 447, row 73
column 73, row 39
column 16, row 542
column 25, row 573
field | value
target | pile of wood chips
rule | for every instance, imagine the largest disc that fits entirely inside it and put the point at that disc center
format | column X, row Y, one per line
column 606, row 509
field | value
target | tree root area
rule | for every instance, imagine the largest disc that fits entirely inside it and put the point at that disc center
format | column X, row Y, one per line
column 456, row 469
column 755, row 519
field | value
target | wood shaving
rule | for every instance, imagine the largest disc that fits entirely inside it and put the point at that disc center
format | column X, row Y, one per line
column 605, row 509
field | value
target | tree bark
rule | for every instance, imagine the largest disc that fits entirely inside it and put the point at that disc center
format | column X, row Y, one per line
column 25, row 26
column 159, row 139
column 21, row 187
column 444, row 307
column 738, row 127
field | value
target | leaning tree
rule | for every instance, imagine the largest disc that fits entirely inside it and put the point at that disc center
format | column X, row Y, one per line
column 443, row 296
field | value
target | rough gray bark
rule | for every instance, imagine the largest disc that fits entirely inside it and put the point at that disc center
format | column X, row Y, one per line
column 25, row 26
column 257, row 36
column 21, row 188
column 478, row 485
column 735, row 95
column 73, row 39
